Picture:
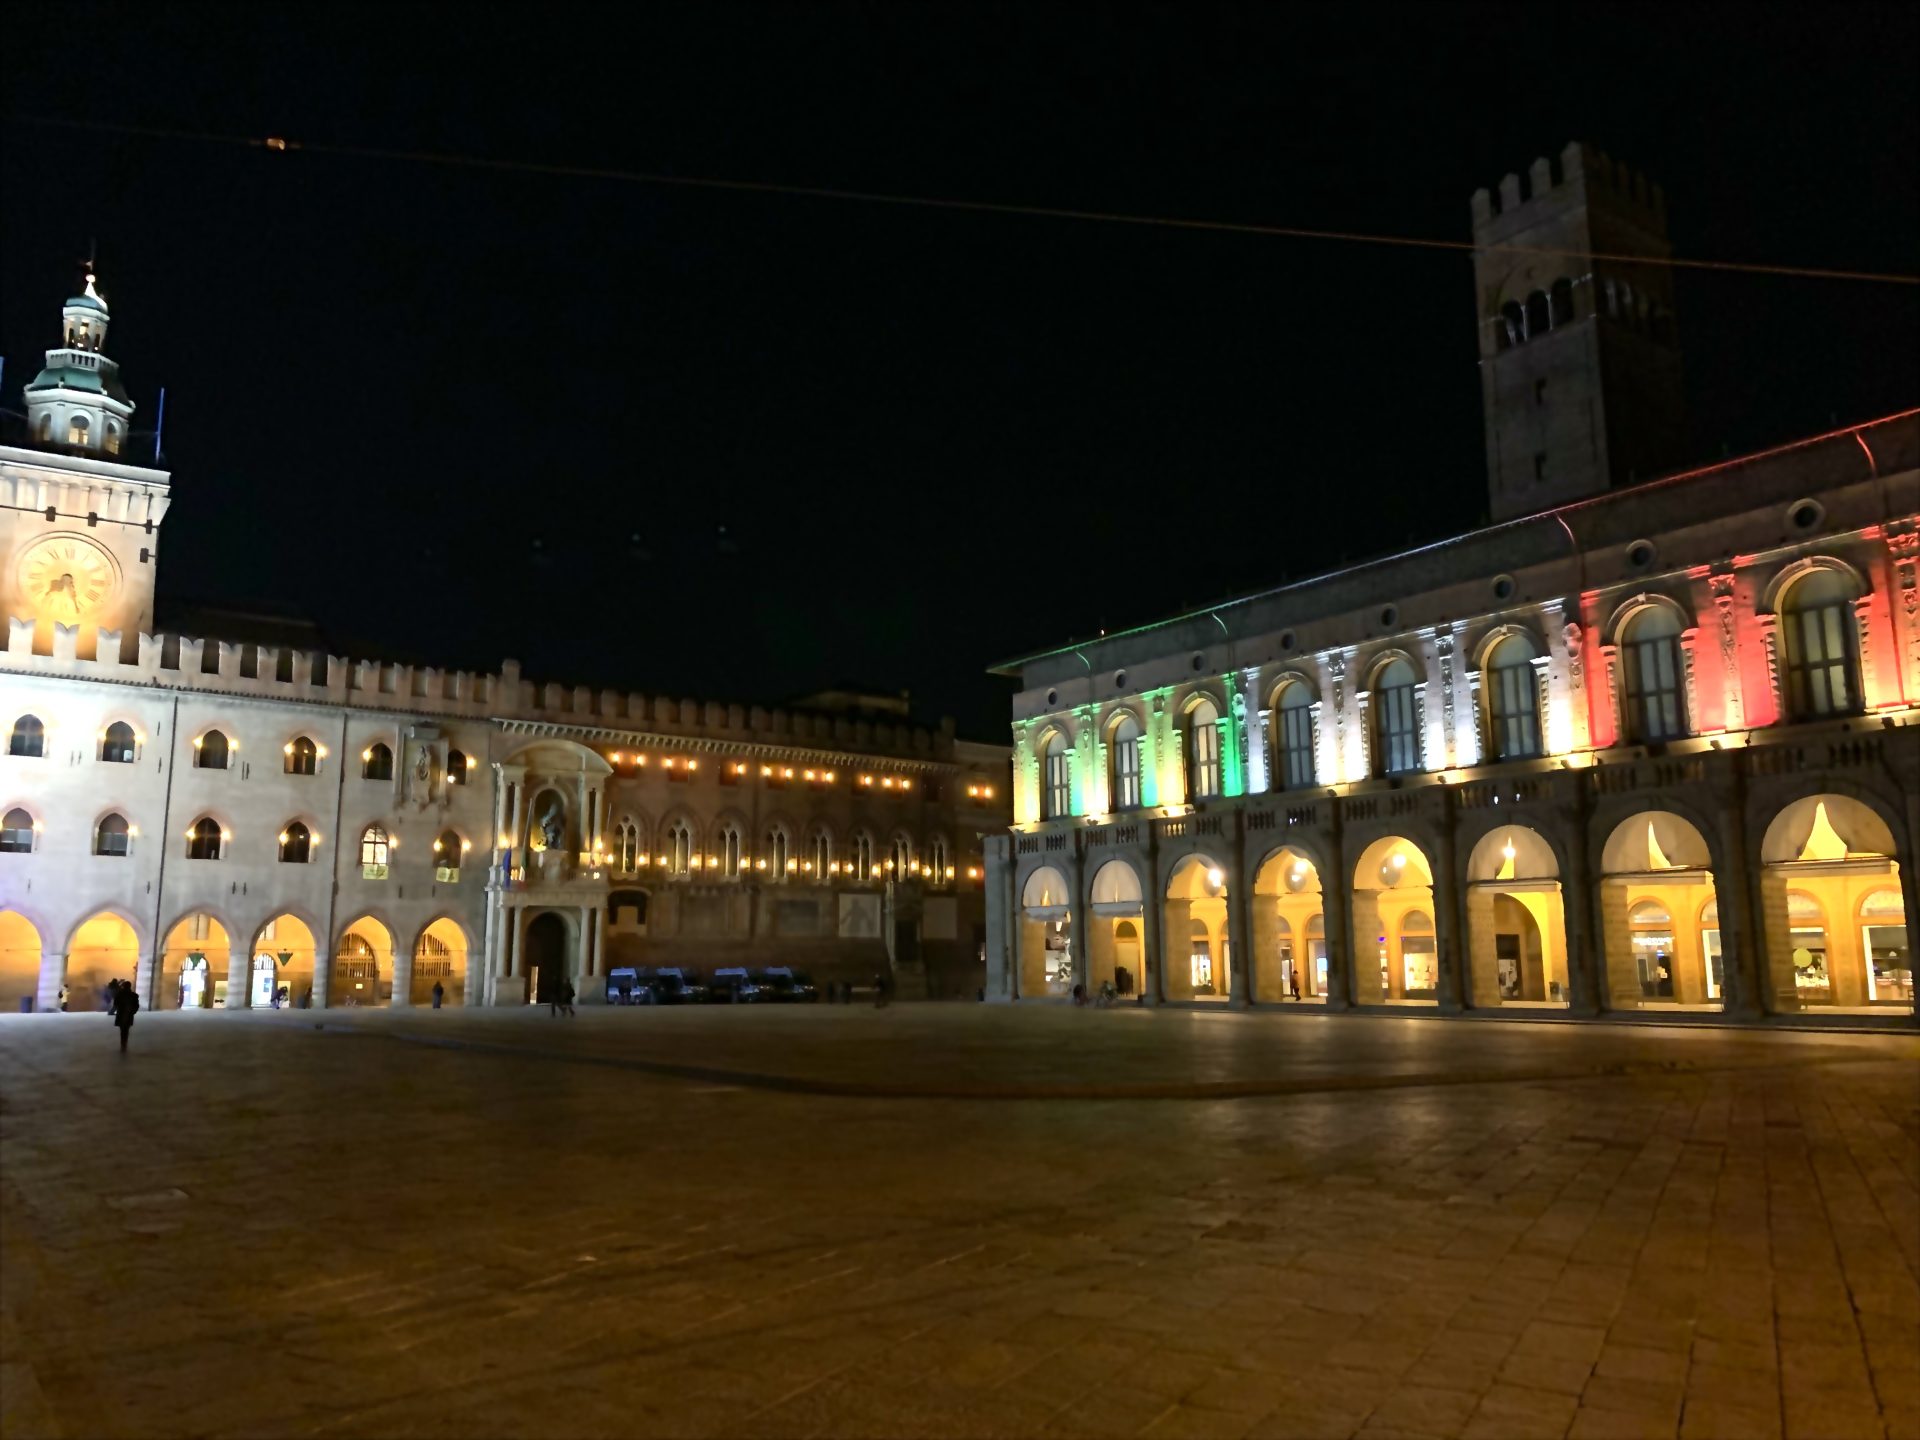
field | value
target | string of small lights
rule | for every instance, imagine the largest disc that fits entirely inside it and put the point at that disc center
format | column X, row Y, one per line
column 281, row 144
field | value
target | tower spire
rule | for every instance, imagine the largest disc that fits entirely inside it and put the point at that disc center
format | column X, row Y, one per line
column 77, row 401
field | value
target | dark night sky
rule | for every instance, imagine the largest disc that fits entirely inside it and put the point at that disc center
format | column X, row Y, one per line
column 934, row 438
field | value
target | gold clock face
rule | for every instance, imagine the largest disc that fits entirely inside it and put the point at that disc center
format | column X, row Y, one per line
column 67, row 578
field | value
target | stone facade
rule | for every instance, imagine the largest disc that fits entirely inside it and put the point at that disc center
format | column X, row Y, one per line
column 234, row 823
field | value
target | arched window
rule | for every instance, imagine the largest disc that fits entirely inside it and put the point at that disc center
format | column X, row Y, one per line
column 679, row 856
column 296, row 844
column 1293, row 738
column 1396, row 728
column 1513, row 324
column 1203, row 751
column 730, row 850
column 113, row 438
column 626, row 846
column 1539, row 314
column 1123, row 784
column 1562, row 303
column 900, row 858
column 29, row 737
column 210, row 751
column 447, row 851
column 376, row 762
column 77, row 428
column 16, row 833
column 46, row 428
column 1820, row 638
column 302, row 756
column 822, row 856
column 860, row 856
column 1650, row 675
column 375, row 851
column 457, row 764
column 203, row 841
column 1056, row 790
column 939, row 867
column 1512, row 689
column 779, row 855
column 116, row 745
column 112, row 836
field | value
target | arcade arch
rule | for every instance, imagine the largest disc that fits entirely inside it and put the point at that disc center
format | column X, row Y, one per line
column 362, row 965
column 440, row 957
column 1289, row 930
column 1659, row 919
column 20, row 956
column 1046, row 935
column 549, row 949
column 1395, row 950
column 1516, row 921
column 1114, row 952
column 1198, row 945
column 104, row 948
column 196, row 966
column 1833, row 909
column 283, row 964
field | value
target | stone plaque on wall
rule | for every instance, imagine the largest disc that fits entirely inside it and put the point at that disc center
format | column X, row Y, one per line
column 860, row 917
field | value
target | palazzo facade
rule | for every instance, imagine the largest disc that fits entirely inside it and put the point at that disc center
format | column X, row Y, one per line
column 238, row 824
column 1647, row 746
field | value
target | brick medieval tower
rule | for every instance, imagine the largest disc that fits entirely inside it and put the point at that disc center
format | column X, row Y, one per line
column 1579, row 358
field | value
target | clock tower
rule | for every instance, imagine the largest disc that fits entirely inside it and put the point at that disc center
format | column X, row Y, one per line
column 79, row 524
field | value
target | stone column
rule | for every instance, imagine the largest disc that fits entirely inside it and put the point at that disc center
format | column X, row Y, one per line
column 1079, row 916
column 53, row 974
column 402, row 975
column 1743, row 929
column 1153, row 940
column 1242, row 956
column 1483, row 962
column 1450, row 935
column 239, row 976
column 1577, row 892
column 1364, row 948
column 997, row 895
column 1336, row 915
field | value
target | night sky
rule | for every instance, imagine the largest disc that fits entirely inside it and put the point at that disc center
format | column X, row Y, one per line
column 933, row 439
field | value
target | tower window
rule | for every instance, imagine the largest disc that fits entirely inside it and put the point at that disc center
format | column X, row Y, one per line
column 1513, row 324
column 1562, row 303
column 1539, row 314
column 77, row 428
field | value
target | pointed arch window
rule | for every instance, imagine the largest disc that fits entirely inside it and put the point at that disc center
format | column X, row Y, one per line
column 210, row 751
column 303, row 756
column 730, row 851
column 626, row 846
column 117, row 744
column 1650, row 675
column 204, row 840
column 939, row 867
column 900, row 858
column 822, row 861
column 1396, row 730
column 112, row 836
column 779, row 856
column 1203, row 750
column 1124, row 748
column 1293, row 737
column 860, row 856
column 376, row 851
column 679, row 856
column 77, row 430
column 16, row 833
column 376, row 762
column 296, row 844
column 1056, row 794
column 447, row 853
column 29, row 738
column 1819, row 636
column 1513, row 699
column 458, row 763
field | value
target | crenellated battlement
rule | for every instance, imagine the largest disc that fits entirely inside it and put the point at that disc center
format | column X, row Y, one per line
column 285, row 674
column 1580, row 174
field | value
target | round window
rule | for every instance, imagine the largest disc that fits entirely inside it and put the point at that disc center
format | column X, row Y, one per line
column 1119, row 679
column 1390, row 615
column 1053, row 697
column 1287, row 639
column 1805, row 514
column 1199, row 661
column 1640, row 554
column 1503, row 587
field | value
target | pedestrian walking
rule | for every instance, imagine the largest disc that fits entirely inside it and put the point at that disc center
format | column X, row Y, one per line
column 566, row 997
column 306, row 998
column 1293, row 980
column 126, row 1005
column 439, row 994
column 879, row 991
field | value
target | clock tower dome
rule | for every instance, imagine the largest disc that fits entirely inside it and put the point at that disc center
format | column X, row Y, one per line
column 79, row 525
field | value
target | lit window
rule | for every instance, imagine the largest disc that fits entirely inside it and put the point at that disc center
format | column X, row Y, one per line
column 296, row 844
column 1124, row 783
column 203, row 841
column 1293, row 736
column 679, row 848
column 29, row 738
column 456, row 767
column 1650, row 675
column 1057, row 796
column 939, row 868
column 1203, row 751
column 376, row 762
column 778, row 852
column 77, row 429
column 1513, row 699
column 901, row 857
column 1395, row 726
column 447, row 851
column 116, row 746
column 1818, row 635
column 730, row 851
column 112, row 836
column 210, row 751
column 375, row 852
column 16, row 833
column 302, row 756
column 626, row 846
column 860, row 856
column 822, row 856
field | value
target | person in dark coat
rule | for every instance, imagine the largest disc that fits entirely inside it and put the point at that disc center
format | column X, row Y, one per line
column 126, row 1004
column 566, row 996
column 439, row 994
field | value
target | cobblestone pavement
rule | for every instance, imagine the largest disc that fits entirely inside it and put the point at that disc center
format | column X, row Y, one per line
column 953, row 1221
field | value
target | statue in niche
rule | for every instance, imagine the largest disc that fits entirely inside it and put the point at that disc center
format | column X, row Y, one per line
column 421, row 780
column 547, row 836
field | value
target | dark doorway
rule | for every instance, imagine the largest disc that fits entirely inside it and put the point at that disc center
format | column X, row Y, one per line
column 546, row 953
column 906, row 942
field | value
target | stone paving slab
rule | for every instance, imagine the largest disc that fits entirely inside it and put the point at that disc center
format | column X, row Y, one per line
column 656, row 1223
